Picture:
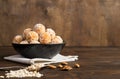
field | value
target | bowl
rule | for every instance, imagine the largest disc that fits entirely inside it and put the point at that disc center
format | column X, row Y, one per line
column 38, row 50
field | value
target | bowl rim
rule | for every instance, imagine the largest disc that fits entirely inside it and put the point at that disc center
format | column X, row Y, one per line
column 39, row 44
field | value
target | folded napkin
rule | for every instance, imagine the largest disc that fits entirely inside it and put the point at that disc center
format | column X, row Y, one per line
column 58, row 58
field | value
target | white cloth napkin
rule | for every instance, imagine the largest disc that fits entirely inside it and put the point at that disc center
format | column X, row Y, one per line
column 56, row 59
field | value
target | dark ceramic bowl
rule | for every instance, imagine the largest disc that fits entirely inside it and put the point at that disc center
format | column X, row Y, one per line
column 38, row 50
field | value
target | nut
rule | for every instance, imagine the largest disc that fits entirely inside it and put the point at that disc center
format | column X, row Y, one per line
column 51, row 66
column 67, row 68
column 76, row 65
column 60, row 66
column 64, row 63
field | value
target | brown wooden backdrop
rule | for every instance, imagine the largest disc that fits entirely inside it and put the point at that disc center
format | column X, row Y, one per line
column 79, row 22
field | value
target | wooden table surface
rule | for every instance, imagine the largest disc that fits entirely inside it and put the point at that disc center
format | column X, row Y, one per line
column 96, row 63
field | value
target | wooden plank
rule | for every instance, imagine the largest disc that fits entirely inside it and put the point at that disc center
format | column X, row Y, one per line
column 79, row 22
column 96, row 63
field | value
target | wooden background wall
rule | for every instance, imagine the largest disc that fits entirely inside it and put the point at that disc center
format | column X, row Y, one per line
column 79, row 22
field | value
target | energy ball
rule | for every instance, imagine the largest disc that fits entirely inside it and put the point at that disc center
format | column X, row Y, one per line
column 26, row 31
column 24, row 42
column 34, row 42
column 38, row 35
column 17, row 39
column 57, row 39
column 45, row 38
column 32, row 36
column 39, row 28
column 51, row 32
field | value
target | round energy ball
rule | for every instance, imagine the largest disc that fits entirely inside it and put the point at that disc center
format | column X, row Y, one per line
column 26, row 31
column 32, row 36
column 51, row 32
column 34, row 42
column 24, row 42
column 39, row 28
column 57, row 40
column 17, row 39
column 45, row 38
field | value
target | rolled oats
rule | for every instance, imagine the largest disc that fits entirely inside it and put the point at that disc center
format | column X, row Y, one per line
column 22, row 73
column 1, row 76
column 35, row 67
column 30, row 71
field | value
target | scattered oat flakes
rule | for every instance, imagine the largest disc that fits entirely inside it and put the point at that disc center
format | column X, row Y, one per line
column 30, row 71
column 35, row 67
column 22, row 73
column 2, row 77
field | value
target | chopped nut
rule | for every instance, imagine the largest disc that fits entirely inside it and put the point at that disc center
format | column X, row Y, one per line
column 51, row 66
column 60, row 66
column 77, row 65
column 64, row 63
column 67, row 68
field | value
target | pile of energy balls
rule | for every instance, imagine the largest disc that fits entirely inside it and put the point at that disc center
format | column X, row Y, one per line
column 38, row 35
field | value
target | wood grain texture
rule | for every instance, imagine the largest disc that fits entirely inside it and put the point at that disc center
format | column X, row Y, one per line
column 79, row 22
column 96, row 63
